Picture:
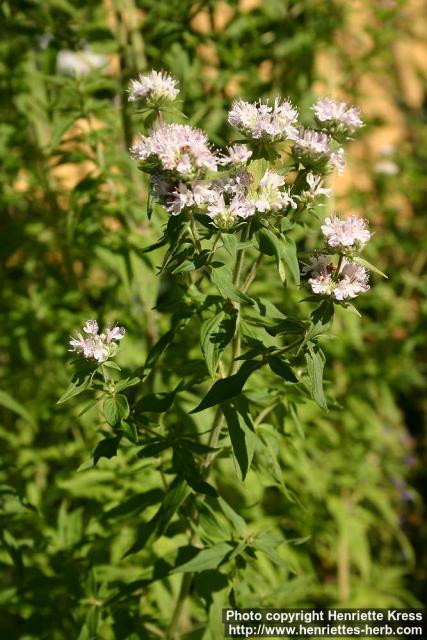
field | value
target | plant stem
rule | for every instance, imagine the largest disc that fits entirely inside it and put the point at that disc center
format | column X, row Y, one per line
column 195, row 234
column 252, row 273
column 216, row 426
column 176, row 615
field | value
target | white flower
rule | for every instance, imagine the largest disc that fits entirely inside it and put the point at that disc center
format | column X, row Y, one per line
column 344, row 233
column 91, row 327
column 181, row 198
column 262, row 120
column 313, row 142
column 386, row 167
column 203, row 192
column 79, row 63
column 270, row 196
column 315, row 148
column 237, row 154
column 116, row 333
column 97, row 347
column 176, row 147
column 225, row 214
column 351, row 280
column 336, row 161
column 242, row 207
column 154, row 87
column 82, row 345
column 316, row 189
column 195, row 193
column 337, row 116
column 315, row 182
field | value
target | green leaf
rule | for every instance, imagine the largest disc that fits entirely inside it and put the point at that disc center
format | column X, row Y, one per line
column 107, row 448
column 268, row 544
column 227, row 388
column 322, row 318
column 230, row 243
column 269, row 244
column 110, row 364
column 155, row 402
column 221, row 277
column 186, row 467
column 289, row 255
column 60, row 129
column 242, row 436
column 257, row 169
column 281, row 368
column 215, row 334
column 115, row 409
column 7, row 401
column 157, row 350
column 369, row 266
column 237, row 521
column 135, row 504
column 178, row 492
column 126, row 383
column 176, row 495
column 315, row 360
column 75, row 388
column 129, row 431
column 206, row 559
column 350, row 307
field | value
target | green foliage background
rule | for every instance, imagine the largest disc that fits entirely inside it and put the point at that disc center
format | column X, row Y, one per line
column 341, row 487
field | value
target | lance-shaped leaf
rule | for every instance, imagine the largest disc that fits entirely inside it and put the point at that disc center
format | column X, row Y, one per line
column 289, row 254
column 215, row 335
column 228, row 388
column 178, row 492
column 242, row 435
column 185, row 466
column 281, row 368
column 209, row 558
column 221, row 277
column 315, row 360
column 369, row 266
column 269, row 244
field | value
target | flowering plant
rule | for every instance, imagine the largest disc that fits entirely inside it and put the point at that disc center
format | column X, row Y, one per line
column 232, row 216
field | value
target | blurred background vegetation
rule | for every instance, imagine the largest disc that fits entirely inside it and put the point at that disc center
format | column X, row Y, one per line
column 348, row 493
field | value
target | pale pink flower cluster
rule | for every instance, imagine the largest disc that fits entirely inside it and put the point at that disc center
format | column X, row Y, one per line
column 351, row 280
column 271, row 194
column 333, row 114
column 313, row 147
column 176, row 147
column 346, row 233
column 153, row 88
column 260, row 120
column 229, row 198
column 237, row 154
column 196, row 193
column 95, row 346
